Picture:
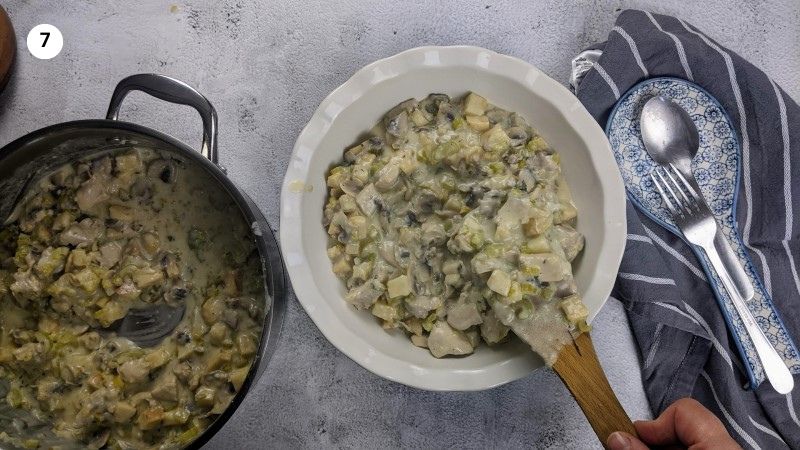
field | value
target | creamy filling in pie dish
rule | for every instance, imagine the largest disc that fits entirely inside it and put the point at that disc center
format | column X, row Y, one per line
column 453, row 223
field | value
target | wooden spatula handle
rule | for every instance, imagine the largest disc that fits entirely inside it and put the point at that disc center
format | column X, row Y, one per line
column 579, row 369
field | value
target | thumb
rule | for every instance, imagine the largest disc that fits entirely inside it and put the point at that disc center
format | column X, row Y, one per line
column 619, row 440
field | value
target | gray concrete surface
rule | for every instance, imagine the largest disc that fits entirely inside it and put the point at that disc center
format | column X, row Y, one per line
column 266, row 65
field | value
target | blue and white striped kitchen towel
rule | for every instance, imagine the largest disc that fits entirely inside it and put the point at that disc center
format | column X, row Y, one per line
column 685, row 347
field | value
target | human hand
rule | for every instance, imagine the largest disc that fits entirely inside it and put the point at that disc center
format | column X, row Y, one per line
column 684, row 424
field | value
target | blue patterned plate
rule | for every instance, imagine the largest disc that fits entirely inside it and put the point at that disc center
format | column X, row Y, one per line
column 716, row 167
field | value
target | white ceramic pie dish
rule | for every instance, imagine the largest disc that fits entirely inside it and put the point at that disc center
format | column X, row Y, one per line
column 351, row 110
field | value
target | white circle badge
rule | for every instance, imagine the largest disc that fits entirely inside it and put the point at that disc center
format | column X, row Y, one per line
column 45, row 41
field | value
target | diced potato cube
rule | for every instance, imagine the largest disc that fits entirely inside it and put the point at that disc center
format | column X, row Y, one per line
column 77, row 258
column 539, row 244
column 413, row 325
column 246, row 344
column 87, row 280
column 177, row 416
column 62, row 221
column 217, row 333
column 495, row 140
column 147, row 277
column 352, row 154
column 218, row 359
column 121, row 213
column 352, row 248
column 341, row 267
column 479, row 123
column 360, row 173
column 362, row 271
column 452, row 279
column 452, row 266
column 499, row 282
column 568, row 212
column 574, row 309
column 359, row 227
column 539, row 222
column 128, row 163
column 348, row 203
column 150, row 243
column 335, row 179
column 475, row 105
column 408, row 163
column 110, row 313
column 419, row 341
column 385, row 312
column 335, row 251
column 537, row 144
column 157, row 358
column 238, row 376
column 52, row 260
column 399, row 287
column 551, row 267
column 204, row 397
column 420, row 117
column 123, row 412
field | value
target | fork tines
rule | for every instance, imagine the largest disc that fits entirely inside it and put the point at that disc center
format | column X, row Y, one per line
column 673, row 187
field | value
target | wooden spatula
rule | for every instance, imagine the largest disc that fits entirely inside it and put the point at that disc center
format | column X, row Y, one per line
column 579, row 369
column 8, row 48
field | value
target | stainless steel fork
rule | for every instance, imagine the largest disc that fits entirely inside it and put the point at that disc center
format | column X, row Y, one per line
column 699, row 227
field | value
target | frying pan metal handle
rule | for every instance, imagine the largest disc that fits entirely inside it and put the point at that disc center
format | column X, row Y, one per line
column 173, row 91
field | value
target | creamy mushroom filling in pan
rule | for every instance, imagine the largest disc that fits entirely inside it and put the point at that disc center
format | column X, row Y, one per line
column 129, row 229
column 452, row 222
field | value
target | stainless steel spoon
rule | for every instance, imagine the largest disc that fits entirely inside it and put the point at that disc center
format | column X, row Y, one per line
column 147, row 327
column 671, row 139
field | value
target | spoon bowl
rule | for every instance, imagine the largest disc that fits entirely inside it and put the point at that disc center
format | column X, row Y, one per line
column 148, row 326
column 668, row 133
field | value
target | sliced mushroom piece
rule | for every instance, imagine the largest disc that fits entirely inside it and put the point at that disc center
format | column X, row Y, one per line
column 374, row 144
column 110, row 254
column 498, row 115
column 363, row 296
column 162, row 169
column 426, row 203
column 566, row 288
column 433, row 233
column 490, row 202
column 92, row 192
column 166, row 388
column 527, row 180
column 398, row 125
column 463, row 314
column 518, row 136
column 492, row 330
column 545, row 167
column 431, row 103
column 386, row 249
column 81, row 233
column 388, row 176
column 569, row 239
column 444, row 340
column 552, row 267
column 421, row 305
column 134, row 371
column 446, row 113
column 368, row 199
